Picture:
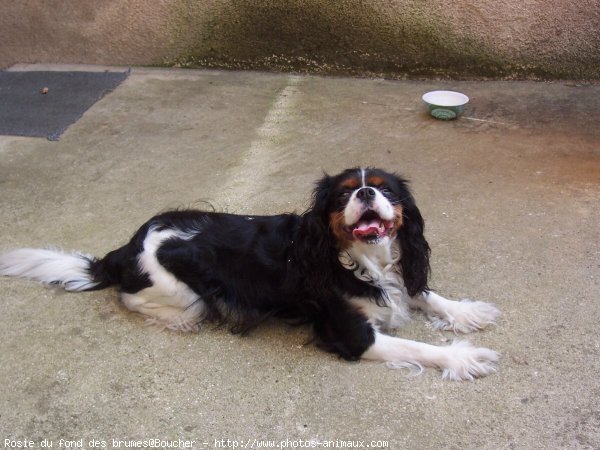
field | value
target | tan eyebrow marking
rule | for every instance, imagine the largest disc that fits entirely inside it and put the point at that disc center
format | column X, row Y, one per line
column 375, row 181
column 351, row 183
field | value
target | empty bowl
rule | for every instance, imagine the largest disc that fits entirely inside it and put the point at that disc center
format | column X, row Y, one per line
column 445, row 105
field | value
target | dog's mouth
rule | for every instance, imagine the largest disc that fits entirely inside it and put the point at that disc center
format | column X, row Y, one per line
column 370, row 227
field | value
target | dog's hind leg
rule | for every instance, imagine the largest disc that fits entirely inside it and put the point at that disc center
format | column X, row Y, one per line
column 166, row 300
column 180, row 314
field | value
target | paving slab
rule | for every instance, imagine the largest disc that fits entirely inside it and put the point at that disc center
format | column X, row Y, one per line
column 510, row 195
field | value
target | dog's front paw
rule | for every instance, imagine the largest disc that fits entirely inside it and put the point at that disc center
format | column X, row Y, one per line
column 465, row 362
column 466, row 316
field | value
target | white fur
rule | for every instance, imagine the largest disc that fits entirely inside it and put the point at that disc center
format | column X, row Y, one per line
column 379, row 260
column 377, row 265
column 157, row 308
column 355, row 208
column 458, row 361
column 50, row 266
column 461, row 317
column 168, row 303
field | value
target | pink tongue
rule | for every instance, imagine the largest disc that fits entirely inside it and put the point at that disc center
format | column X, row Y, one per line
column 367, row 229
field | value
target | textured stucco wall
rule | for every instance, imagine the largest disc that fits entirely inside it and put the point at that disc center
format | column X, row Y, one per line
column 464, row 38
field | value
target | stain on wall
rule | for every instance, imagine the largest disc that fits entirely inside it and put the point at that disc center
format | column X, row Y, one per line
column 327, row 37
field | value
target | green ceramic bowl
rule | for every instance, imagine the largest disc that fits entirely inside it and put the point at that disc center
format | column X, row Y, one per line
column 445, row 105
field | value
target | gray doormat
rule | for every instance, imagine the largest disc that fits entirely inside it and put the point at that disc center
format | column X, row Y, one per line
column 44, row 104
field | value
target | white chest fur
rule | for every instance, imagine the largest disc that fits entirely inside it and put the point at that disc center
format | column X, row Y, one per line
column 377, row 264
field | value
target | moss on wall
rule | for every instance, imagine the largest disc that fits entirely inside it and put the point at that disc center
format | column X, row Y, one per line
column 345, row 37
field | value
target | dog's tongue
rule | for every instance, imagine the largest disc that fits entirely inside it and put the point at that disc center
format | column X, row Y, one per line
column 368, row 228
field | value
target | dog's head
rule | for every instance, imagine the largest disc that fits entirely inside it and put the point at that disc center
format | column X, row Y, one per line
column 368, row 206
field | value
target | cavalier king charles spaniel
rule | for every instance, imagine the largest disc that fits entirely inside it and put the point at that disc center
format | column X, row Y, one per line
column 351, row 266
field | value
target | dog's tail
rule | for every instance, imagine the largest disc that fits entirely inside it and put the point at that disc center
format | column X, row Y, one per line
column 73, row 271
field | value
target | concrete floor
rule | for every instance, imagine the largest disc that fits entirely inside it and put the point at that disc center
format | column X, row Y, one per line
column 510, row 193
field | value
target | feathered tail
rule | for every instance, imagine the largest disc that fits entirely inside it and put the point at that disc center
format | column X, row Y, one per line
column 73, row 271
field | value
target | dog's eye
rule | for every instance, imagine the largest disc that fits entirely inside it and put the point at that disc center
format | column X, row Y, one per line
column 385, row 190
column 344, row 194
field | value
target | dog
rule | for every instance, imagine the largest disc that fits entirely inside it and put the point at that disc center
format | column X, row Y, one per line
column 352, row 266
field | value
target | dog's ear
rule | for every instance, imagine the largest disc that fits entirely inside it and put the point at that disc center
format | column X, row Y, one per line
column 320, row 196
column 415, row 250
column 315, row 249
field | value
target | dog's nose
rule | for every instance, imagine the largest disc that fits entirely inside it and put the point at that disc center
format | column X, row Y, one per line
column 366, row 194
